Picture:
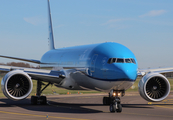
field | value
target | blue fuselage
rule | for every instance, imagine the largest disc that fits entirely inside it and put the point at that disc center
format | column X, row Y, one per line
column 104, row 62
column 93, row 62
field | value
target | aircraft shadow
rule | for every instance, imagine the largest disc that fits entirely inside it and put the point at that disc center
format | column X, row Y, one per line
column 58, row 107
column 137, row 106
column 53, row 107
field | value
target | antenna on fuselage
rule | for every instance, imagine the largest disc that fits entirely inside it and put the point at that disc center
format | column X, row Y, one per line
column 51, row 38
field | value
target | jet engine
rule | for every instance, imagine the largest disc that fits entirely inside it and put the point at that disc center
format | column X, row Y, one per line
column 154, row 87
column 16, row 85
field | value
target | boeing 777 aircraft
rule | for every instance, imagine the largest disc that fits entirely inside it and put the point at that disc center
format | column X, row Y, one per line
column 108, row 67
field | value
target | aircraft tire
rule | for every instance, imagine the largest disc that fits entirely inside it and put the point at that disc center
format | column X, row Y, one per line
column 119, row 106
column 43, row 100
column 34, row 100
column 112, row 108
column 106, row 101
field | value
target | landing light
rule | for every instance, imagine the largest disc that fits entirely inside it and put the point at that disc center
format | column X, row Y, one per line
column 117, row 94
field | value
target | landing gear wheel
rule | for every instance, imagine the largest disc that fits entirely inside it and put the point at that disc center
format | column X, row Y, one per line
column 119, row 108
column 38, row 99
column 112, row 108
column 43, row 100
column 34, row 100
column 106, row 100
column 115, row 101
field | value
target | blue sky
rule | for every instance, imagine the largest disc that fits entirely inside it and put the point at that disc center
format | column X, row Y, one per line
column 144, row 26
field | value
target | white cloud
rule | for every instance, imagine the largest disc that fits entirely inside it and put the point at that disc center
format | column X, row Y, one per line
column 34, row 20
column 117, row 23
column 114, row 21
column 153, row 13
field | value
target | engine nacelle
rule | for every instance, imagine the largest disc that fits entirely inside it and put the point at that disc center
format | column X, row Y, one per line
column 16, row 85
column 154, row 87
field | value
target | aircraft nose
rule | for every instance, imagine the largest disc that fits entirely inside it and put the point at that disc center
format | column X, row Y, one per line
column 129, row 72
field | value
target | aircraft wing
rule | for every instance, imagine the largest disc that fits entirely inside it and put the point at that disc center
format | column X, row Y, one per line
column 38, row 74
column 142, row 72
column 16, row 58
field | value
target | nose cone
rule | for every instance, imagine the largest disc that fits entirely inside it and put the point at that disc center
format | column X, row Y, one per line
column 127, row 71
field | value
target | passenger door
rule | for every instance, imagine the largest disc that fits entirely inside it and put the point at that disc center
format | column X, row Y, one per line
column 104, row 69
column 93, row 61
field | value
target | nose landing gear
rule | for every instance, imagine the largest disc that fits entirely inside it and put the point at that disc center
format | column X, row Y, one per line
column 115, row 105
column 114, row 100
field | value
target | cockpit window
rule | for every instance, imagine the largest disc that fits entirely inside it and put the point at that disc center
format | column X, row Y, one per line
column 114, row 60
column 133, row 61
column 128, row 61
column 109, row 61
column 121, row 60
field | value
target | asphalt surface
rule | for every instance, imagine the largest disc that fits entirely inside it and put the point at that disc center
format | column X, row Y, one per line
column 86, row 107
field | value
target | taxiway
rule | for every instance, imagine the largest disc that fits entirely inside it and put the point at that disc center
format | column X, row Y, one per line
column 86, row 107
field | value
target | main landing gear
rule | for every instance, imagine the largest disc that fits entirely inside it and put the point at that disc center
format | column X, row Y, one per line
column 38, row 99
column 114, row 100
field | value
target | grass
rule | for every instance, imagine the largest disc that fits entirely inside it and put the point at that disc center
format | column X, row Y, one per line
column 50, row 90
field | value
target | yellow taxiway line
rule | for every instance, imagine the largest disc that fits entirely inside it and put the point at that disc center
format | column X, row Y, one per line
column 163, row 106
column 164, row 102
column 148, row 115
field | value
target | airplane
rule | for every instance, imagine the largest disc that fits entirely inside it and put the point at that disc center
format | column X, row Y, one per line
column 109, row 67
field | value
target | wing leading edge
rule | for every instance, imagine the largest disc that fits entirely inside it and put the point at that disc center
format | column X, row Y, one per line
column 26, row 60
column 142, row 72
column 22, row 59
column 38, row 74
